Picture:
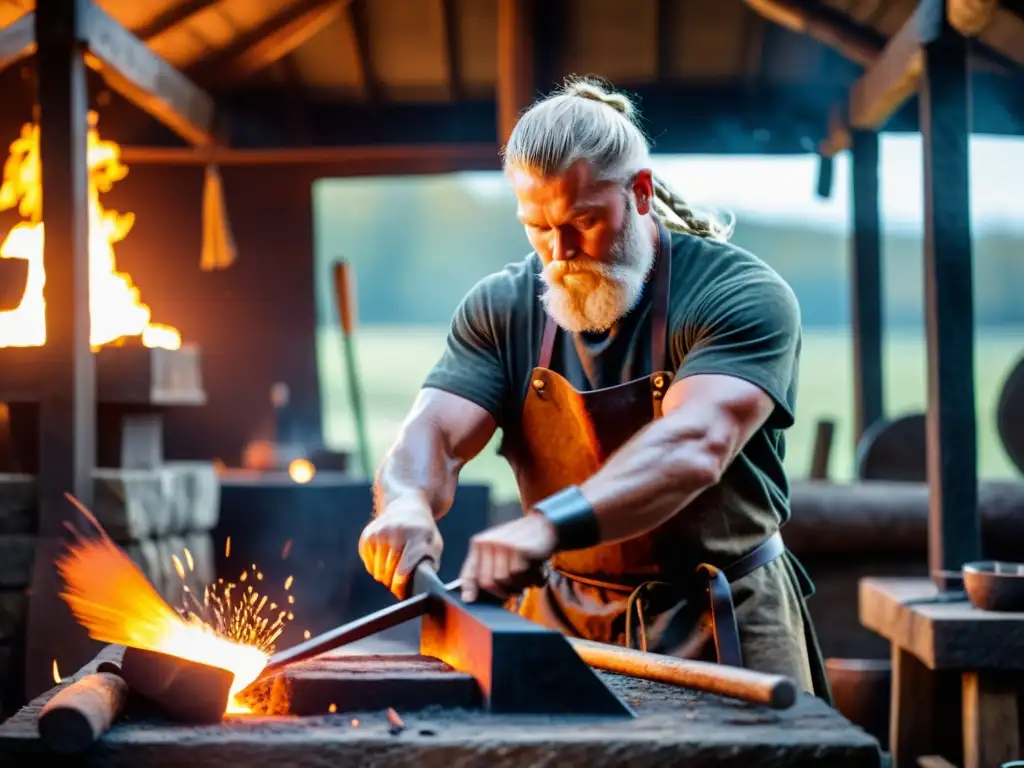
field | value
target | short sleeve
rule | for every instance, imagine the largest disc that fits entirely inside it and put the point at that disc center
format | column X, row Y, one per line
column 747, row 326
column 472, row 365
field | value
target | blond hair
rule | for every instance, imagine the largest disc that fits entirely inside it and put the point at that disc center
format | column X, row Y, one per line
column 587, row 120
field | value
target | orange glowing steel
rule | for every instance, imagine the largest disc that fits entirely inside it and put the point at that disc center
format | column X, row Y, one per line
column 116, row 310
column 111, row 597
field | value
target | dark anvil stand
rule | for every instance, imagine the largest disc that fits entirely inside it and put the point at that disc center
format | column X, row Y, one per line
column 673, row 727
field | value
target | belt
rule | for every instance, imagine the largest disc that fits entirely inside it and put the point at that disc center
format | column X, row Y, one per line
column 716, row 581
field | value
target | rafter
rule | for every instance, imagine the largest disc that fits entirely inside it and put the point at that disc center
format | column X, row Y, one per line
column 176, row 14
column 268, row 43
column 515, row 62
column 17, row 40
column 131, row 68
column 452, row 49
column 359, row 23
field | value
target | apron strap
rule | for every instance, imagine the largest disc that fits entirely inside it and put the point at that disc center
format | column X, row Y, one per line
column 659, row 309
column 723, row 611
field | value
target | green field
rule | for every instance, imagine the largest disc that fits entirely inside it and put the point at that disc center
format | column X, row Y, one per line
column 394, row 360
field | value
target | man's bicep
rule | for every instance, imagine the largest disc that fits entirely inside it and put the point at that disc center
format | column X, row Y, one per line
column 465, row 428
column 751, row 333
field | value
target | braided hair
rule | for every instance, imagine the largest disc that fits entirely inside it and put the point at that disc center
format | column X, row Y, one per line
column 586, row 120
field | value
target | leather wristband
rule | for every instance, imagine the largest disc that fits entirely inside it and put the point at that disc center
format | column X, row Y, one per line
column 573, row 519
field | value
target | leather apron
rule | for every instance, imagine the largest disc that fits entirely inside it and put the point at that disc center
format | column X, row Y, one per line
column 609, row 592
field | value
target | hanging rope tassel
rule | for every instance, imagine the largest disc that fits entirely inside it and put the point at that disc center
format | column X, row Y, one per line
column 218, row 241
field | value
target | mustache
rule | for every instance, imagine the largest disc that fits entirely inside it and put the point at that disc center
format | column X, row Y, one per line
column 557, row 270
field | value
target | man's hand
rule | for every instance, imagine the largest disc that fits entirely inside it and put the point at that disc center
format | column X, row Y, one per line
column 397, row 540
column 507, row 558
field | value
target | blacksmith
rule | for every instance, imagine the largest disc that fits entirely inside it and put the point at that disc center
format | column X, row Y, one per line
column 643, row 372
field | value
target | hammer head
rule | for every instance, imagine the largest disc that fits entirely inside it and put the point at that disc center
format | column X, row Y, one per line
column 185, row 691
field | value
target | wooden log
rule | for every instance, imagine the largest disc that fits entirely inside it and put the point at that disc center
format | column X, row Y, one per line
column 775, row 691
column 81, row 712
column 892, row 518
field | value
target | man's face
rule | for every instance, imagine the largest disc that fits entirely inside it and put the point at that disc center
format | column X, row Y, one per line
column 593, row 239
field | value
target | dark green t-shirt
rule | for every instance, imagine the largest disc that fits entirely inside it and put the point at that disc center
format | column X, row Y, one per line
column 730, row 313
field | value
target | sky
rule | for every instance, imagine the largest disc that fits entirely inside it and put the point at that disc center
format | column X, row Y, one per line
column 783, row 187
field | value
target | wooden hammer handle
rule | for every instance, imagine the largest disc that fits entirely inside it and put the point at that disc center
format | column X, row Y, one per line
column 775, row 691
column 345, row 293
column 81, row 712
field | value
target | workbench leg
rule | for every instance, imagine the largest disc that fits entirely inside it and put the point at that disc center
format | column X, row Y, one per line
column 990, row 723
column 925, row 712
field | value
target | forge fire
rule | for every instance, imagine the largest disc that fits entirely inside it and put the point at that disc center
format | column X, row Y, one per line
column 116, row 309
column 230, row 627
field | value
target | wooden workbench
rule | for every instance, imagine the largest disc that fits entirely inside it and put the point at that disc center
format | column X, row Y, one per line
column 673, row 728
column 957, row 674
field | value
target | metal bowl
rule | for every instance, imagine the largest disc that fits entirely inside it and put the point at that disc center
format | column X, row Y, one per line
column 995, row 586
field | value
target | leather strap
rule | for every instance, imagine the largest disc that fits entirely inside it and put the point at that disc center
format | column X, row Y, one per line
column 723, row 611
column 659, row 309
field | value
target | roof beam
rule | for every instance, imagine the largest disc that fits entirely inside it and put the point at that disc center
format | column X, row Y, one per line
column 17, row 40
column 131, row 68
column 825, row 24
column 359, row 23
column 515, row 63
column 270, row 42
column 892, row 78
column 452, row 49
column 177, row 13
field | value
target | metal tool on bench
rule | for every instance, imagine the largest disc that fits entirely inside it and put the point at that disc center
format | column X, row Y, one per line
column 429, row 591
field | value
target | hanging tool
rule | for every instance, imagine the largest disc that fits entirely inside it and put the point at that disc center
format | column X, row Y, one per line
column 345, row 294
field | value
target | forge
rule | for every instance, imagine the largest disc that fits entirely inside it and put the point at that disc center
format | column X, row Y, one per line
column 153, row 507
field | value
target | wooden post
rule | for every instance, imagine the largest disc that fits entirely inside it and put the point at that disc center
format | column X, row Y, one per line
column 67, row 402
column 515, row 63
column 953, row 527
column 867, row 284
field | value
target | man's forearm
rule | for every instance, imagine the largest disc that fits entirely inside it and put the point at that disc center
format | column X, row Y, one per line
column 657, row 473
column 419, row 466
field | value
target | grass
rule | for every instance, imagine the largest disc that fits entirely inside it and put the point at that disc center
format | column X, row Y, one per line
column 394, row 360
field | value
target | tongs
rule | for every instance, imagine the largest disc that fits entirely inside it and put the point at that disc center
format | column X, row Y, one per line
column 425, row 584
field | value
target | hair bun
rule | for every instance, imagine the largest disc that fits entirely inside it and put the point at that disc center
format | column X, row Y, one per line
column 586, row 88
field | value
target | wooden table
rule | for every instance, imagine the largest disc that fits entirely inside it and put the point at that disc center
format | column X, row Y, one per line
column 957, row 674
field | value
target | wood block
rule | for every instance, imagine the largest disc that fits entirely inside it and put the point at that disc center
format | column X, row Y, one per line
column 130, row 504
column 197, row 496
column 407, row 683
column 943, row 635
column 204, row 557
column 17, row 553
column 13, row 609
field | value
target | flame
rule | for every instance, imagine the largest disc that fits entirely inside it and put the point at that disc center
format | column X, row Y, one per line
column 116, row 310
column 301, row 471
column 111, row 597
column 56, row 674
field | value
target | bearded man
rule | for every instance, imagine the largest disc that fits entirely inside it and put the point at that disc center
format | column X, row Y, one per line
column 642, row 371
